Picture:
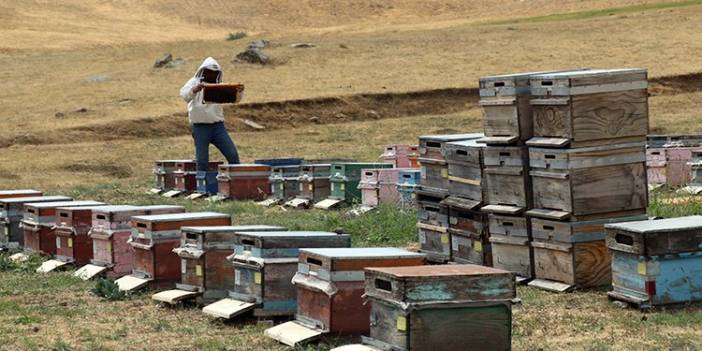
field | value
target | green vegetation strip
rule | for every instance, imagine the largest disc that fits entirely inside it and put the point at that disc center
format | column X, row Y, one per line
column 599, row 13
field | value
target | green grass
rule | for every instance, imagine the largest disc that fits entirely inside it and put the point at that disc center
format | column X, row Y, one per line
column 58, row 312
column 578, row 15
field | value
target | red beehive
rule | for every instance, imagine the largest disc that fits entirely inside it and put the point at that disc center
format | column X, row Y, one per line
column 330, row 291
column 73, row 244
column 7, row 194
column 153, row 240
column 111, row 229
column 39, row 221
column 244, row 181
column 186, row 172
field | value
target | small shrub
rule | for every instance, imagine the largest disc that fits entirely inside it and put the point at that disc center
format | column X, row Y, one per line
column 108, row 290
column 236, row 36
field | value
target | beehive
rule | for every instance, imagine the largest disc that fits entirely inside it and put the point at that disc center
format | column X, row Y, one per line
column 7, row 194
column 510, row 240
column 206, row 275
column 656, row 262
column 186, row 175
column 110, row 232
column 344, row 180
column 439, row 308
column 432, row 227
column 73, row 244
column 401, row 156
column 164, row 176
column 468, row 229
column 589, row 108
column 370, row 188
column 39, row 223
column 407, row 184
column 11, row 214
column 432, row 162
column 153, row 239
column 465, row 169
column 284, row 182
column 507, row 177
column 262, row 269
column 330, row 286
column 244, row 181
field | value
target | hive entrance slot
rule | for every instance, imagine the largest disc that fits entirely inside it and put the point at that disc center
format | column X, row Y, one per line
column 141, row 225
column 549, row 227
column 547, row 83
column 190, row 236
column 433, row 144
column 248, row 242
column 382, row 284
column 506, row 154
column 314, row 261
column 499, row 84
column 624, row 239
column 550, row 157
column 62, row 214
column 101, row 217
column 462, row 152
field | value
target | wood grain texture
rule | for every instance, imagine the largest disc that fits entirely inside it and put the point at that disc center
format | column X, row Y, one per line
column 504, row 189
column 552, row 120
column 609, row 189
column 610, row 115
column 383, row 319
column 593, row 264
column 513, row 258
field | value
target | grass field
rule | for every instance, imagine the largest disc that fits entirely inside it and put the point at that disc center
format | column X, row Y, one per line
column 57, row 311
column 84, row 113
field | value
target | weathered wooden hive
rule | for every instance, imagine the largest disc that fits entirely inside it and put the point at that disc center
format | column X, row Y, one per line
column 164, row 176
column 284, row 182
column 12, row 213
column 510, row 240
column 262, row 268
column 330, row 291
column 465, row 169
column 244, row 181
column 440, row 308
column 407, row 184
column 401, row 156
column 387, row 185
column 314, row 184
column 7, row 194
column 39, row 224
column 468, row 229
column 656, row 166
column 73, row 244
column 589, row 108
column 205, row 272
column 110, row 232
column 669, row 165
column 344, row 179
column 656, row 262
column 369, row 188
column 153, row 239
column 432, row 162
column 186, row 175
column 432, row 226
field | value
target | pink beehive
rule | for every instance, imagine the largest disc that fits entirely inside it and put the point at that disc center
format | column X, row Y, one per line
column 387, row 185
column 369, row 187
column 677, row 170
column 401, row 156
column 656, row 165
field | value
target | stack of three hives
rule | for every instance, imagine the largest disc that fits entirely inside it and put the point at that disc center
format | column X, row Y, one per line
column 431, row 196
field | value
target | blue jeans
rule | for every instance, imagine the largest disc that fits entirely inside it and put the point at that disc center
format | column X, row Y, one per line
column 215, row 134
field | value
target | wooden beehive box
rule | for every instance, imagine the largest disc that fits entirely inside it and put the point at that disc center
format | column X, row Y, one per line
column 469, row 232
column 263, row 266
column 186, row 174
column 588, row 181
column 401, row 156
column 11, row 215
column 222, row 93
column 330, row 291
column 408, row 304
column 656, row 166
column 572, row 254
column 206, row 275
column 244, row 181
column 589, row 108
column 39, row 221
column 344, row 180
column 7, row 194
column 407, row 184
column 432, row 162
column 164, row 176
column 369, row 187
column 510, row 240
column 677, row 168
column 387, row 185
column 432, row 227
column 73, row 244
column 284, row 182
column 465, row 169
column 314, row 184
column 153, row 239
column 111, row 229
column 507, row 178
column 656, row 262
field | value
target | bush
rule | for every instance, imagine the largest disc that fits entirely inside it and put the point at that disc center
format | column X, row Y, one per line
column 236, row 36
column 29, row 265
column 108, row 290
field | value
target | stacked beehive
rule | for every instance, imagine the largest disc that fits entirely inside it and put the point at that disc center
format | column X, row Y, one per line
column 433, row 219
column 668, row 159
column 695, row 164
column 587, row 167
column 507, row 118
column 401, row 156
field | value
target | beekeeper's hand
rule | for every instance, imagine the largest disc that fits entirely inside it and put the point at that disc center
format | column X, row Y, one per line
column 198, row 88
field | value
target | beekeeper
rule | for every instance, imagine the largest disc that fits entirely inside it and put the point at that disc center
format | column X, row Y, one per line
column 207, row 120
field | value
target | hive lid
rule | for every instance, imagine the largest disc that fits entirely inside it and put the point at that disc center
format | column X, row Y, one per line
column 363, row 253
column 64, row 204
column 82, row 208
column 289, row 234
column 18, row 192
column 468, row 143
column 115, row 208
column 438, row 271
column 34, row 199
column 452, row 137
column 234, row 228
column 174, row 217
column 587, row 73
column 659, row 225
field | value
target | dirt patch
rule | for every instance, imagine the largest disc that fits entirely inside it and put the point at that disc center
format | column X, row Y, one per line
column 110, row 170
column 325, row 110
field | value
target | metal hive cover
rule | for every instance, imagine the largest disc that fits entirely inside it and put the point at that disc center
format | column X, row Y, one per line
column 439, row 271
column 14, row 200
column 363, row 252
column 233, row 228
column 115, row 208
column 588, row 73
column 289, row 234
column 173, row 217
column 64, row 204
column 469, row 143
column 660, row 225
column 452, row 137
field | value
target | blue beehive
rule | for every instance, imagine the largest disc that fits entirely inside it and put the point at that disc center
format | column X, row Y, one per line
column 407, row 184
column 207, row 182
column 656, row 262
